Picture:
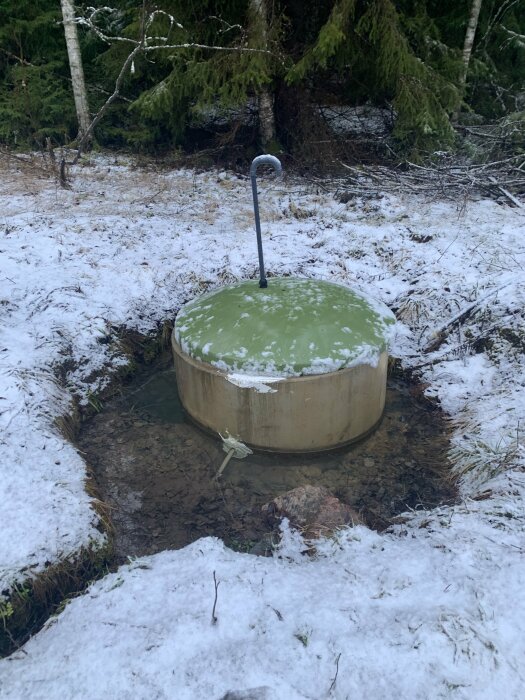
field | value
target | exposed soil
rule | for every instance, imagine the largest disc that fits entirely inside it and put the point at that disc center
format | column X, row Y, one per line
column 155, row 469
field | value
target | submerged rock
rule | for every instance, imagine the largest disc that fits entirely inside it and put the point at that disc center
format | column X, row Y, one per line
column 263, row 692
column 312, row 509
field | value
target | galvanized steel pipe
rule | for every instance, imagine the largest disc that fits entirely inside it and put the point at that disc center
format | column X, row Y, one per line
column 276, row 164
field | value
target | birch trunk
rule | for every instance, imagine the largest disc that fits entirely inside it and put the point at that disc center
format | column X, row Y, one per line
column 75, row 66
column 469, row 38
column 265, row 103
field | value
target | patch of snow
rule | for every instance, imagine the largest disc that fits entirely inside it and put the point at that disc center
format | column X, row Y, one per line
column 250, row 381
column 434, row 608
column 383, row 619
column 364, row 120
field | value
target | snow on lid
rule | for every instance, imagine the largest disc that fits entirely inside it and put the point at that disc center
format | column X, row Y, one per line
column 261, row 384
column 293, row 327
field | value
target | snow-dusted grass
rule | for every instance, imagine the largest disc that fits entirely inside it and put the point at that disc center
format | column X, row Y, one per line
column 432, row 609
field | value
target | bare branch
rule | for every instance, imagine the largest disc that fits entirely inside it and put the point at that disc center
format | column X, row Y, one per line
column 161, row 40
column 145, row 44
column 227, row 26
column 498, row 16
column 102, row 111
column 22, row 61
column 231, row 49
column 518, row 39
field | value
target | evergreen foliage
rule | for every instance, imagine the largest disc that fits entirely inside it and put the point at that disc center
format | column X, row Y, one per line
column 366, row 41
column 35, row 91
column 185, row 82
column 332, row 43
column 402, row 54
column 497, row 68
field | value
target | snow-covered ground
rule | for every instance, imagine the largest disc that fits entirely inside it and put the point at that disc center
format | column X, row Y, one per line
column 432, row 609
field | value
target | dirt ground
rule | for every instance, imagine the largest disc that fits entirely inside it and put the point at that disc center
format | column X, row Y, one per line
column 155, row 469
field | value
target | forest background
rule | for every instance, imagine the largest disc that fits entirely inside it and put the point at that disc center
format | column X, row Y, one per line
column 317, row 82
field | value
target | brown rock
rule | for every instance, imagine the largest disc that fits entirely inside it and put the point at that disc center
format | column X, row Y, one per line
column 312, row 509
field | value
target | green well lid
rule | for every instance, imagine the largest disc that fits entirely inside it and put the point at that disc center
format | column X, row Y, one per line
column 292, row 327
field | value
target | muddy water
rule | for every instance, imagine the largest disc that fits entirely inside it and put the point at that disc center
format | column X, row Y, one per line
column 155, row 469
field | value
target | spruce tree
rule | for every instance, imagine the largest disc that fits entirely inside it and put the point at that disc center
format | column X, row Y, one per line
column 366, row 43
column 404, row 54
column 35, row 91
column 228, row 61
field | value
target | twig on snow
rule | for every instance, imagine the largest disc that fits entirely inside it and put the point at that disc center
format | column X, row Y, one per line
column 214, row 617
column 332, row 686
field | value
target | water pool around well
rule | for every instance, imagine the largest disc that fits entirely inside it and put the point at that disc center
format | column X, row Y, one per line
column 155, row 468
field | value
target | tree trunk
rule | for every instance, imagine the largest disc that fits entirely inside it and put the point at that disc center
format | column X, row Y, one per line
column 469, row 38
column 75, row 66
column 265, row 102
column 266, row 117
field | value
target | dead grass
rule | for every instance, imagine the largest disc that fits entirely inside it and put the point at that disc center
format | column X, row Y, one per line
column 24, row 173
column 30, row 602
column 25, row 608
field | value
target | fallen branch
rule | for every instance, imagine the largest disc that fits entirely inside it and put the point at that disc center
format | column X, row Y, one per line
column 506, row 193
column 455, row 181
column 441, row 334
